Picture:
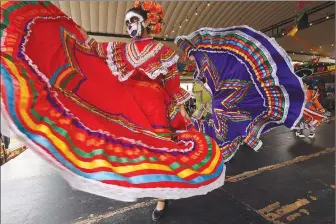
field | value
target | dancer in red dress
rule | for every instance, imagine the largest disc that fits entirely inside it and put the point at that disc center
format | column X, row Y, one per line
column 106, row 115
column 314, row 114
column 149, row 71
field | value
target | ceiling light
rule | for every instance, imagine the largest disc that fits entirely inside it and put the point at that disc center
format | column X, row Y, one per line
column 332, row 45
column 180, row 26
column 310, row 24
column 196, row 13
column 187, row 19
column 209, row 4
column 327, row 17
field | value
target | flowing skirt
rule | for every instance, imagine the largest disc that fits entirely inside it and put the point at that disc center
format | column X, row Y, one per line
column 63, row 102
column 252, row 81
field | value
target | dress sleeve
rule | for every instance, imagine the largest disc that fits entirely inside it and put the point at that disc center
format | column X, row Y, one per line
column 172, row 84
column 100, row 49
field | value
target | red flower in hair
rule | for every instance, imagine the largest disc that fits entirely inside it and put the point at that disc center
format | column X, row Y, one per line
column 147, row 6
column 154, row 14
column 153, row 18
column 137, row 4
column 158, row 8
column 157, row 28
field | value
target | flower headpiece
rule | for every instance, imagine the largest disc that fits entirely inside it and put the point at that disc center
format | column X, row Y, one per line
column 154, row 14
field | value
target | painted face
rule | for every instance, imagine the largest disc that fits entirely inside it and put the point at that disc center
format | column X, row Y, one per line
column 135, row 24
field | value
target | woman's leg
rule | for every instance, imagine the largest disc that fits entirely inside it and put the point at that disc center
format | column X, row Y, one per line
column 155, row 110
column 158, row 212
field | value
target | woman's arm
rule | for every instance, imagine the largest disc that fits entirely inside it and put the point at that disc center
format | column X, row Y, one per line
column 100, row 49
column 178, row 95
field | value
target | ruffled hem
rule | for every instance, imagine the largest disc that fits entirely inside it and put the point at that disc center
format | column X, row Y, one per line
column 119, row 193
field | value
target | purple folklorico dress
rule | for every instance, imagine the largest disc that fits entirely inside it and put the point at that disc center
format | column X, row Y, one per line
column 253, row 84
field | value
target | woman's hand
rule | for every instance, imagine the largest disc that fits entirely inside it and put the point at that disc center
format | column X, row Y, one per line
column 184, row 112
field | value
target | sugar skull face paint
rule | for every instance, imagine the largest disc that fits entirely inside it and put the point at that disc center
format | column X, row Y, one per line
column 135, row 24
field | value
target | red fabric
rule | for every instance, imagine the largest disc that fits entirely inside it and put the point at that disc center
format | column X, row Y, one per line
column 153, row 103
column 70, row 109
column 315, row 109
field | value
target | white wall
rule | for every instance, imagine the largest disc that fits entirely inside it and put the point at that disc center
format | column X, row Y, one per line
column 187, row 86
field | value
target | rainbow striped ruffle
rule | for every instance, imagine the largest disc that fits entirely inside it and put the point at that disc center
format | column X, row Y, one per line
column 252, row 81
column 57, row 96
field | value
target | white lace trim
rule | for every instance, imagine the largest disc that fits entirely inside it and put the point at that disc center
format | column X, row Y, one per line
column 111, row 191
column 145, row 57
column 163, row 70
column 184, row 100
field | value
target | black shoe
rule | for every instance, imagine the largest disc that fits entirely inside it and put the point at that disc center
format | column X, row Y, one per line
column 158, row 214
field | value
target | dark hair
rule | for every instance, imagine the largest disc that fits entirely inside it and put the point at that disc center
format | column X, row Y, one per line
column 143, row 13
column 140, row 11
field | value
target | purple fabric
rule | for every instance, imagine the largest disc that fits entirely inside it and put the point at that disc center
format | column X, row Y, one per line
column 232, row 68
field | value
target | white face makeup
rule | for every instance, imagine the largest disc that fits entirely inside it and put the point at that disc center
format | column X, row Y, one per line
column 135, row 24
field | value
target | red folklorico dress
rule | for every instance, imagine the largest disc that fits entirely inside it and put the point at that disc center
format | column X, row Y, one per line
column 101, row 113
column 314, row 114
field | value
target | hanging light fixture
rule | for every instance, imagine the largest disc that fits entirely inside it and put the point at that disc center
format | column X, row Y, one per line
column 208, row 4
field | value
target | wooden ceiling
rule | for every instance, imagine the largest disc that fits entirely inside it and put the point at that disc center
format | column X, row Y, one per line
column 107, row 17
